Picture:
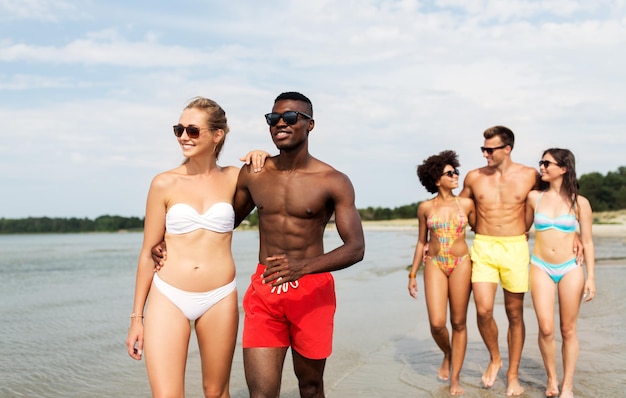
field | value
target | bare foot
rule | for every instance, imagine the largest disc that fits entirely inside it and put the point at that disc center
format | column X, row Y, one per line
column 489, row 377
column 444, row 370
column 567, row 394
column 455, row 388
column 552, row 388
column 514, row 388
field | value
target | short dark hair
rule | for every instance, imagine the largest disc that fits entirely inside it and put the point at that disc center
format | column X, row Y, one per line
column 431, row 169
column 296, row 96
column 506, row 135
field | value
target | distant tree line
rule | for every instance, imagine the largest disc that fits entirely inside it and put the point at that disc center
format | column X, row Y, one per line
column 604, row 192
column 384, row 213
column 68, row 225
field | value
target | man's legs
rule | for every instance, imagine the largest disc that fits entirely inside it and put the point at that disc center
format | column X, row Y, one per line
column 264, row 368
column 310, row 374
column 514, row 305
column 484, row 297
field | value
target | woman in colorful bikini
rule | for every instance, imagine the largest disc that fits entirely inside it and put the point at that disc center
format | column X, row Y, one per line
column 557, row 211
column 191, row 206
column 447, row 266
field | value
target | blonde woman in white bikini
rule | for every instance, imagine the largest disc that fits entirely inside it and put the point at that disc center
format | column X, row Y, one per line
column 192, row 207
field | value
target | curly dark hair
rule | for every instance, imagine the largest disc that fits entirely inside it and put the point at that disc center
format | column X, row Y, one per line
column 431, row 169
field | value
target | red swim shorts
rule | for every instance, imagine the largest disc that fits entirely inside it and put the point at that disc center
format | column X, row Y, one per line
column 299, row 314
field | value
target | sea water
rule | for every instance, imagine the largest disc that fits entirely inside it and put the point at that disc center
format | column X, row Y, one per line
column 65, row 301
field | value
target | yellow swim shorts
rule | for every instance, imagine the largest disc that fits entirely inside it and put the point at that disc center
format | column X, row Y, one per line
column 502, row 259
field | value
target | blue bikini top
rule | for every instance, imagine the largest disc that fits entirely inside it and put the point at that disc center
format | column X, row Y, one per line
column 565, row 223
column 181, row 218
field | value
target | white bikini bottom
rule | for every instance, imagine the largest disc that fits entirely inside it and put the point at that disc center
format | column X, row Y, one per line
column 193, row 304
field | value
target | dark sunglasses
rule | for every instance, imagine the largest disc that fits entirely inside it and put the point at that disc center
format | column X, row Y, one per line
column 490, row 150
column 290, row 117
column 451, row 173
column 192, row 131
column 546, row 163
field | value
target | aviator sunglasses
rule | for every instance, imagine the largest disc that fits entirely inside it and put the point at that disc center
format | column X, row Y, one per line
column 290, row 117
column 451, row 173
column 490, row 150
column 192, row 131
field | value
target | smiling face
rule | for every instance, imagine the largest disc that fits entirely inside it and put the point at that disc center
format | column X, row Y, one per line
column 449, row 178
column 290, row 136
column 495, row 151
column 550, row 169
column 204, row 143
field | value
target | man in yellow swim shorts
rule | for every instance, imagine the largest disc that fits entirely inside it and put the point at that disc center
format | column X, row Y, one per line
column 500, row 250
column 501, row 259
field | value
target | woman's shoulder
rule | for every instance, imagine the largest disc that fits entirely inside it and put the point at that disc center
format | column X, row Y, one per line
column 166, row 178
column 230, row 170
column 427, row 203
column 581, row 201
column 465, row 201
column 533, row 195
column 425, row 206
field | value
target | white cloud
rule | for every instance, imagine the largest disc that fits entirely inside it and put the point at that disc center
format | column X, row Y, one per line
column 94, row 97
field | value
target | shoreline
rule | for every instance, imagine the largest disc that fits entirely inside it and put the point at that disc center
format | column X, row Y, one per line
column 615, row 229
column 605, row 230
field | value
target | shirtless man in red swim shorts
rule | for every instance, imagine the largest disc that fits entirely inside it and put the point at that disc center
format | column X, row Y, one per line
column 291, row 297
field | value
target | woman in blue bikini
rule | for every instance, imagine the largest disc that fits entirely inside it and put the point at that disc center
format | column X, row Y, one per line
column 192, row 207
column 447, row 267
column 558, row 212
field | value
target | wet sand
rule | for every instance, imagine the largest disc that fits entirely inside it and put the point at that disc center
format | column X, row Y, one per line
column 383, row 347
column 393, row 355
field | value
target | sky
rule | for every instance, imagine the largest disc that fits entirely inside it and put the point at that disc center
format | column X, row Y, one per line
column 89, row 89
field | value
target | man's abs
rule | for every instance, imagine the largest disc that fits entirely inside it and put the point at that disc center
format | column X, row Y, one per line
column 501, row 223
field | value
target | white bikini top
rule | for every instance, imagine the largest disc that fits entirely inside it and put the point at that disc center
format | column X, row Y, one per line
column 182, row 218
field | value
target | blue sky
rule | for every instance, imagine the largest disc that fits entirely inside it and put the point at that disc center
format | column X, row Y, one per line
column 89, row 90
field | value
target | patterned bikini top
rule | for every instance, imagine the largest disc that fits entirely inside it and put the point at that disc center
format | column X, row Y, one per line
column 447, row 229
column 181, row 218
column 565, row 222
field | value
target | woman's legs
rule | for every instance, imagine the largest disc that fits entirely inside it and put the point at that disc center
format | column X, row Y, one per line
column 436, row 293
column 570, row 295
column 217, row 333
column 459, row 287
column 166, row 341
column 543, row 289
